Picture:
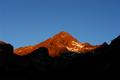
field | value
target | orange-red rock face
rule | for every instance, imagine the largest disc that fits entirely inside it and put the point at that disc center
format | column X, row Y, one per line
column 61, row 42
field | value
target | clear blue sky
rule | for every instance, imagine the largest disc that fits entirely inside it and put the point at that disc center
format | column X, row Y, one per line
column 27, row 22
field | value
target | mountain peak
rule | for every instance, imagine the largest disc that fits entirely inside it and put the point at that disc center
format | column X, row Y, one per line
column 63, row 33
column 59, row 43
column 64, row 37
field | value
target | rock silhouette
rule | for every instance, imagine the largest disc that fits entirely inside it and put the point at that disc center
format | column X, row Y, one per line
column 5, row 48
column 102, row 59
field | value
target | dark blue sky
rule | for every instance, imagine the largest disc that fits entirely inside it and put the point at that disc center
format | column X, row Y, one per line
column 27, row 22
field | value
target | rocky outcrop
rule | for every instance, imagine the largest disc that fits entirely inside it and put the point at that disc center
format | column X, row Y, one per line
column 115, row 42
column 6, row 52
column 5, row 48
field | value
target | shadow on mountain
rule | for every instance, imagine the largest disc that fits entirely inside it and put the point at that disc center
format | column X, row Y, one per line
column 104, row 59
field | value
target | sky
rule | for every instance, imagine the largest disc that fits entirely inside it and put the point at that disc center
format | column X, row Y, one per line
column 28, row 22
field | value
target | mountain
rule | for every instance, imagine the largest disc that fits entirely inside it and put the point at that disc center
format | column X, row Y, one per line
column 59, row 43
column 58, row 55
